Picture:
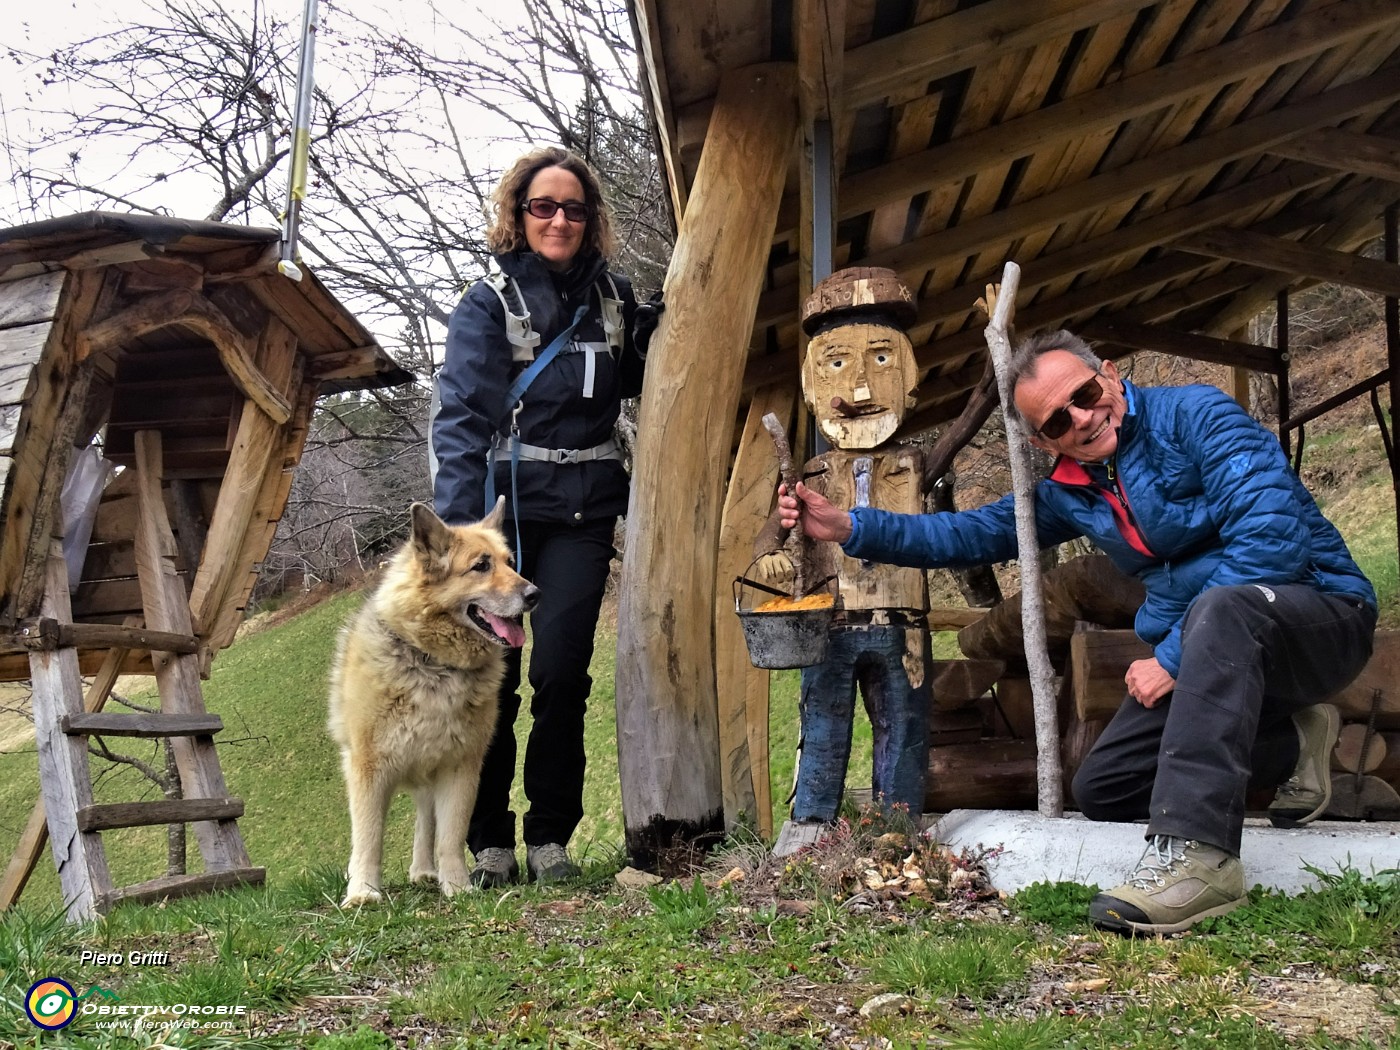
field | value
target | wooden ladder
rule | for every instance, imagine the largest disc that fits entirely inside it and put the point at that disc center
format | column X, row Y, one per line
column 63, row 722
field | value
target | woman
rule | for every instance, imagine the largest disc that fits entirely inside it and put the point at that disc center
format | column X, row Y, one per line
column 539, row 356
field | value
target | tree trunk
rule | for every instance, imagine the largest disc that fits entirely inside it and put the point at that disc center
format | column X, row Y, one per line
column 667, row 722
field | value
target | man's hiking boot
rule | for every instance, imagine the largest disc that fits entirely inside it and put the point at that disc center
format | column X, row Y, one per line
column 1178, row 882
column 1304, row 796
column 549, row 863
column 495, row 866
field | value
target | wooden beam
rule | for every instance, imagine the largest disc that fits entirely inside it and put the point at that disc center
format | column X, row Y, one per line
column 819, row 31
column 962, row 40
column 1291, row 257
column 1371, row 155
column 189, row 309
column 1357, row 225
column 257, row 450
column 647, row 26
column 1181, row 344
column 1192, row 75
column 668, row 741
column 1132, row 180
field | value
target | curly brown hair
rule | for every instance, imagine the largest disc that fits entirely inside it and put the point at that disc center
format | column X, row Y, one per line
column 507, row 232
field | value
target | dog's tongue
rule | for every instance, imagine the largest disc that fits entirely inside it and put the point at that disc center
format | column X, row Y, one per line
column 507, row 630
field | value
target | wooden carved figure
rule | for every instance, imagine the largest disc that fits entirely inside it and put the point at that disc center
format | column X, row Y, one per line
column 858, row 378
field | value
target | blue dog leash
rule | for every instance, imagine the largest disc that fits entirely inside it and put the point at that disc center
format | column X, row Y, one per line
column 513, row 398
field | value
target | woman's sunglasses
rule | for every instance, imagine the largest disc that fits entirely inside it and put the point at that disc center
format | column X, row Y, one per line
column 544, row 208
column 1057, row 424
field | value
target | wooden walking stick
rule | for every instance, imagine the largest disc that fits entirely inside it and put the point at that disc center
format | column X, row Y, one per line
column 1049, row 779
column 788, row 471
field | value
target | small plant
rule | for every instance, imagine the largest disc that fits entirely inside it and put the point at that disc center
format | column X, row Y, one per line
column 1060, row 905
column 462, row 994
column 362, row 1038
column 684, row 910
column 1013, row 1033
column 974, row 965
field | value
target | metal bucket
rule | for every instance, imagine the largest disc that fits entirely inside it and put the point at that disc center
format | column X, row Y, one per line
column 784, row 639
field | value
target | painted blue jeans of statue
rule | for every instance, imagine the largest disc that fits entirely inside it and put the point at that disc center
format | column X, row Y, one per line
column 871, row 657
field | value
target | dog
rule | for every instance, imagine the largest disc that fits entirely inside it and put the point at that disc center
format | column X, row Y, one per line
column 413, row 697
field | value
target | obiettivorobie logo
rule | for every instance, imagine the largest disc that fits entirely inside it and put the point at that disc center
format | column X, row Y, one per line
column 52, row 1004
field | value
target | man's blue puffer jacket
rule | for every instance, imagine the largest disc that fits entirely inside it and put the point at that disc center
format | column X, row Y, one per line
column 478, row 370
column 1199, row 495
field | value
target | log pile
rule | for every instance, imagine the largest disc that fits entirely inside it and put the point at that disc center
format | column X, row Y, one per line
column 982, row 730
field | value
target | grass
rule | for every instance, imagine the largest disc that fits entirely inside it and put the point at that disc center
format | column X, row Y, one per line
column 779, row 960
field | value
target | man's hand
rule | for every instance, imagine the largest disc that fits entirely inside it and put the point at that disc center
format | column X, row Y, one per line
column 821, row 519
column 1148, row 681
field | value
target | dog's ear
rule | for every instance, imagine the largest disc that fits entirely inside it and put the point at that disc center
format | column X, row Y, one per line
column 430, row 534
column 497, row 515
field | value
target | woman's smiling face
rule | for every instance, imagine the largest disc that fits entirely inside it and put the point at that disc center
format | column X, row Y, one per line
column 556, row 240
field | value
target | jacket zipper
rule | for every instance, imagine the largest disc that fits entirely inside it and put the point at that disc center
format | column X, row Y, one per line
column 1121, row 496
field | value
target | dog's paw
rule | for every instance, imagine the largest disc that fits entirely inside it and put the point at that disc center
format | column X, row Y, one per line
column 358, row 895
column 425, row 877
column 451, row 888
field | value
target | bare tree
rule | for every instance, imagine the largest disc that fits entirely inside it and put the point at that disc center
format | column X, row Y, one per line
column 410, row 132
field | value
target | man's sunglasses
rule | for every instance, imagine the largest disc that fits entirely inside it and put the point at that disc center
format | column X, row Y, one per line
column 544, row 208
column 1087, row 395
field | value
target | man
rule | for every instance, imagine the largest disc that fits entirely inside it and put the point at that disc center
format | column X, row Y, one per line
column 1254, row 609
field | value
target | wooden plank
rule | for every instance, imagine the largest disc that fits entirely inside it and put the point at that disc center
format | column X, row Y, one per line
column 186, row 308
column 1136, row 178
column 1181, row 344
column 1110, row 106
column 45, row 633
column 957, row 683
column 178, row 675
column 141, row 724
column 964, row 40
column 996, row 773
column 30, row 300
column 1098, row 662
column 36, row 830
column 666, row 615
column 256, row 452
column 1291, row 257
column 169, row 887
column 168, row 811
column 742, row 688
column 64, row 779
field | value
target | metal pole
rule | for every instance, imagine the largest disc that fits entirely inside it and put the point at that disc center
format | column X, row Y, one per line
column 301, row 146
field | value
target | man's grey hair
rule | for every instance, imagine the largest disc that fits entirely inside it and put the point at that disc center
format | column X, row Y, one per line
column 1026, row 360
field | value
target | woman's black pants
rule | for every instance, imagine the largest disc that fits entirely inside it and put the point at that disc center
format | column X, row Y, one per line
column 1251, row 656
column 569, row 564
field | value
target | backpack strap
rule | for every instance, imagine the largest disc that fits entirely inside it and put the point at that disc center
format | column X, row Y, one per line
column 614, row 330
column 522, row 337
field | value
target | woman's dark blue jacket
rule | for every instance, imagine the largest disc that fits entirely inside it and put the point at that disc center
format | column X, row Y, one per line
column 1198, row 495
column 477, row 372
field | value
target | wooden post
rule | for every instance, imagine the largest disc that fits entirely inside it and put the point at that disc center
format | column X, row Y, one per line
column 667, row 724
column 1392, row 346
column 1285, row 395
column 1047, row 734
column 64, row 781
column 742, row 688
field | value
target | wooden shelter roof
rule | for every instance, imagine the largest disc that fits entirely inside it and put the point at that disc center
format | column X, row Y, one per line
column 1160, row 170
column 341, row 352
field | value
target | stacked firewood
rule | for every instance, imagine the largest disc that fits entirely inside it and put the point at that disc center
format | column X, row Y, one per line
column 982, row 740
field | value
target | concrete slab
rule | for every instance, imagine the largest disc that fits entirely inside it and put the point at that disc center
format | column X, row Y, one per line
column 1072, row 849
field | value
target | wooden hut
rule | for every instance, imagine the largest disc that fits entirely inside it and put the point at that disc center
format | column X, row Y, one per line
column 158, row 381
column 1162, row 170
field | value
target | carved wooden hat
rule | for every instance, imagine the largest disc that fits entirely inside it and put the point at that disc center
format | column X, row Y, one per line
column 857, row 291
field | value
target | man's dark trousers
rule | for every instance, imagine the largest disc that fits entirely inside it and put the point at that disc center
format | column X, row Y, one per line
column 569, row 564
column 1252, row 655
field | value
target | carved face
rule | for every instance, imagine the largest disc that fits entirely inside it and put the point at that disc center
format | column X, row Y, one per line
column 859, row 380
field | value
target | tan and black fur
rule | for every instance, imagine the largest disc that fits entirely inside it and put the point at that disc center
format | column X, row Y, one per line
column 414, row 692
